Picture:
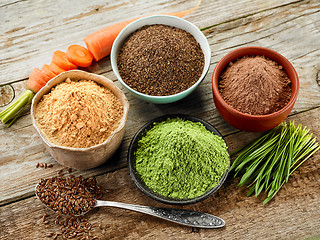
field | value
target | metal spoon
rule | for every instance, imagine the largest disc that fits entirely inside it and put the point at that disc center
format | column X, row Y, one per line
column 180, row 216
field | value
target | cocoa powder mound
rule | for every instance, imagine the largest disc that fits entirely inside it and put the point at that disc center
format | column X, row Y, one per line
column 78, row 114
column 255, row 85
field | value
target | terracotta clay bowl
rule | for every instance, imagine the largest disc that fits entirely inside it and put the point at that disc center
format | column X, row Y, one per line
column 247, row 122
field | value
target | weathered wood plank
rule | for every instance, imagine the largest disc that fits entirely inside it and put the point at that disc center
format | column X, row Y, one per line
column 293, row 214
column 21, row 149
column 33, row 30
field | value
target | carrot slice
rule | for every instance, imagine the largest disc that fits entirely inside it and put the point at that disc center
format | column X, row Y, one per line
column 37, row 80
column 34, row 86
column 55, row 68
column 79, row 56
column 60, row 58
column 46, row 69
column 100, row 43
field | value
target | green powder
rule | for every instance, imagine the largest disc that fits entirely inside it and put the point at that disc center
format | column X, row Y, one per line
column 181, row 159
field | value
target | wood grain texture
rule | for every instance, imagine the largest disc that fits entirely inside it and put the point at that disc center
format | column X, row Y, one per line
column 33, row 30
column 21, row 148
column 39, row 27
column 293, row 214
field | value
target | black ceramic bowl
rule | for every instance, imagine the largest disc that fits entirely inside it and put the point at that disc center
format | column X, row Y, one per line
column 140, row 183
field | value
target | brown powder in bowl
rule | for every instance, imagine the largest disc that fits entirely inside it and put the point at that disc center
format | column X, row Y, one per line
column 78, row 114
column 255, row 85
column 160, row 60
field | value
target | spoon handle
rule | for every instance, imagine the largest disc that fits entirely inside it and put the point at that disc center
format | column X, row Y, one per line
column 181, row 216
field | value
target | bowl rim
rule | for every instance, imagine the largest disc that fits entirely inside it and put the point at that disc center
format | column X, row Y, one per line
column 47, row 88
column 139, row 182
column 113, row 56
column 222, row 65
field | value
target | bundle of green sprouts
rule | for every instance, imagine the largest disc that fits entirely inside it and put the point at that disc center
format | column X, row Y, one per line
column 268, row 162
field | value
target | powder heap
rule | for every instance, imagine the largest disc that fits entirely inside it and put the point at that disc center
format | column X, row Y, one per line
column 160, row 60
column 255, row 85
column 181, row 159
column 78, row 114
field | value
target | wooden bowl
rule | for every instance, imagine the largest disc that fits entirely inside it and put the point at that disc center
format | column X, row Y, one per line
column 247, row 122
column 83, row 158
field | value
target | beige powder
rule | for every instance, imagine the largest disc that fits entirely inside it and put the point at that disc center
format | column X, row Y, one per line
column 78, row 114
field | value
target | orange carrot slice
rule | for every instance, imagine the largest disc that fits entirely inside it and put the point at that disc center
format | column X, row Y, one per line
column 100, row 43
column 37, row 80
column 60, row 58
column 55, row 68
column 34, row 86
column 79, row 56
column 46, row 69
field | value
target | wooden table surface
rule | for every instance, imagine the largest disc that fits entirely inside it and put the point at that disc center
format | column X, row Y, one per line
column 31, row 31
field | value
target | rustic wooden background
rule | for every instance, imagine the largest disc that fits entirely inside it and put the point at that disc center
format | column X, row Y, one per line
column 32, row 30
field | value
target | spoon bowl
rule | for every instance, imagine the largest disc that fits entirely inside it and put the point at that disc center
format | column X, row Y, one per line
column 181, row 216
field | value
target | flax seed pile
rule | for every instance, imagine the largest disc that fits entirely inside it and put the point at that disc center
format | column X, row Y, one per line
column 69, row 195
column 160, row 60
column 78, row 114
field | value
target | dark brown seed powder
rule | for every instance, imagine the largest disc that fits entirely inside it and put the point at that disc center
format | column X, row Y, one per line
column 70, row 227
column 160, row 60
column 69, row 195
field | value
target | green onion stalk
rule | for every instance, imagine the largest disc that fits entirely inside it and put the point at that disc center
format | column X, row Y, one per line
column 267, row 163
column 9, row 115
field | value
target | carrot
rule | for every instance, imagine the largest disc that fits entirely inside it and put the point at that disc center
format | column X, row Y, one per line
column 46, row 69
column 79, row 56
column 34, row 85
column 60, row 58
column 37, row 80
column 100, row 43
column 55, row 68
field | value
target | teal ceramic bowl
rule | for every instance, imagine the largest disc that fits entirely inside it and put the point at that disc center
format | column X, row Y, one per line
column 165, row 20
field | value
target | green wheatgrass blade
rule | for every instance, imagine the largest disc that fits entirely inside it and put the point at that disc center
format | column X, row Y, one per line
column 262, row 174
column 252, row 156
column 258, row 189
column 250, row 191
column 251, row 169
column 306, row 144
column 301, row 143
column 271, row 170
column 280, row 154
column 285, row 155
column 315, row 148
column 248, row 149
column 281, row 169
column 306, row 153
column 294, row 133
column 271, row 195
column 268, row 164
